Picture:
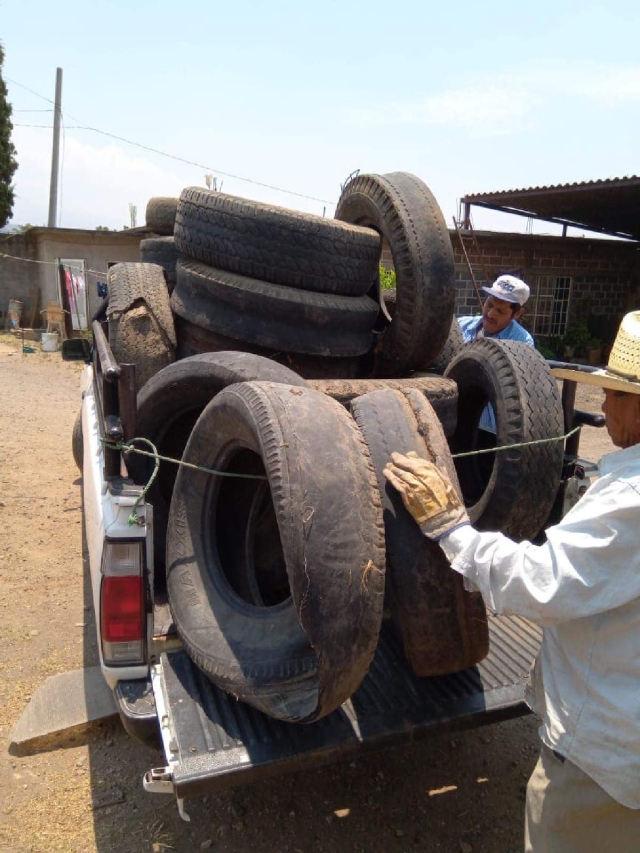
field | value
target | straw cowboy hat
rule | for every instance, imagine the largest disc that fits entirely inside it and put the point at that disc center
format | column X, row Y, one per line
column 622, row 372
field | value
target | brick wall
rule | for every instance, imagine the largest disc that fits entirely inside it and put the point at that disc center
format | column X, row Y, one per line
column 605, row 274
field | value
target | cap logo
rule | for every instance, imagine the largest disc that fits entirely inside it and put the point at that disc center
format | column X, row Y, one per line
column 504, row 285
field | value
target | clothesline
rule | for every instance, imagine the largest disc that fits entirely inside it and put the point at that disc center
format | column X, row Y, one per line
column 97, row 273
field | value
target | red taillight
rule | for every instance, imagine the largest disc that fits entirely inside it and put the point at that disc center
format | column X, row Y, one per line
column 122, row 609
column 122, row 605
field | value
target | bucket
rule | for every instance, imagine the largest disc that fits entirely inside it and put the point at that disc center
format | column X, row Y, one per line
column 50, row 341
column 14, row 313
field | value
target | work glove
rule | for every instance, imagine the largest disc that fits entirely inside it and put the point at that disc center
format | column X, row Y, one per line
column 427, row 493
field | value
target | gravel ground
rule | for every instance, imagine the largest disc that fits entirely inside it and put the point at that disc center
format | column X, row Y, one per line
column 461, row 793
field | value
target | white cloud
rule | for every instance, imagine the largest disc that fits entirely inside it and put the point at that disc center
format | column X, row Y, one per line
column 607, row 84
column 98, row 182
column 497, row 105
column 493, row 109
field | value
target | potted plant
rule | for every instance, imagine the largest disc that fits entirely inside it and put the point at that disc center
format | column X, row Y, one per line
column 576, row 342
column 594, row 351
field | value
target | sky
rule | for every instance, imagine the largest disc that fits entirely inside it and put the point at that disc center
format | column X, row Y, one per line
column 471, row 97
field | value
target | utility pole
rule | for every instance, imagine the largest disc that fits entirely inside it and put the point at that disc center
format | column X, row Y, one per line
column 55, row 154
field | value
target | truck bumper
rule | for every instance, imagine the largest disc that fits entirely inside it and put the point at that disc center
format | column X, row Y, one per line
column 137, row 709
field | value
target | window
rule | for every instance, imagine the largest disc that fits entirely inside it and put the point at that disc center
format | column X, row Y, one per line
column 550, row 305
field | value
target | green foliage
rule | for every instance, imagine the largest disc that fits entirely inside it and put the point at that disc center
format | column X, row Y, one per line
column 545, row 352
column 556, row 344
column 103, row 228
column 387, row 278
column 8, row 162
column 578, row 338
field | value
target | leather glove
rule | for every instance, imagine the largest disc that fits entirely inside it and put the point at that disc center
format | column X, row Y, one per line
column 427, row 493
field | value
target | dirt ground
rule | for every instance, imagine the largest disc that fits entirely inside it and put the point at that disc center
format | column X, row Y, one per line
column 455, row 793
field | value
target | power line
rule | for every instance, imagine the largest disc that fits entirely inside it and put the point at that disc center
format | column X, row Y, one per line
column 82, row 126
column 201, row 166
column 27, row 89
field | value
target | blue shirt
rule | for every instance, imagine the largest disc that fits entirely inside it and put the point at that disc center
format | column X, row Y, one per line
column 470, row 326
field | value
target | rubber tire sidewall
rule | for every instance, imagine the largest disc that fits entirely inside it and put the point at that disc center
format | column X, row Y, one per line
column 443, row 628
column 518, row 383
column 330, row 521
column 169, row 406
column 402, row 209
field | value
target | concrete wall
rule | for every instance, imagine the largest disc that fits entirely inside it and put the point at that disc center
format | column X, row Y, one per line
column 605, row 274
column 21, row 279
column 18, row 278
column 98, row 249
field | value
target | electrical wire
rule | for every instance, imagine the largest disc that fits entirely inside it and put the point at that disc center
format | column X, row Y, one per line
column 82, row 126
column 27, row 89
column 46, row 126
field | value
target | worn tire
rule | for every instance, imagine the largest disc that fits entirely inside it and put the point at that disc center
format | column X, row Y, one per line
column 277, row 245
column 161, row 215
column 161, row 251
column 168, row 407
column 401, row 208
column 303, row 657
column 141, row 329
column 192, row 340
column 443, row 628
column 451, row 348
column 440, row 392
column 77, row 442
column 271, row 316
column 516, row 493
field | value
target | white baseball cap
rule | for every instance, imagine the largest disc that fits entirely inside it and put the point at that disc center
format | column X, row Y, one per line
column 509, row 288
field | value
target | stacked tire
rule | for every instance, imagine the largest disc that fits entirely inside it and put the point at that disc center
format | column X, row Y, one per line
column 276, row 566
column 140, row 322
column 272, row 370
column 161, row 248
column 287, row 285
column 401, row 208
column 275, row 534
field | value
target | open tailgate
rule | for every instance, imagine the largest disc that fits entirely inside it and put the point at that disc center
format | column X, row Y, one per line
column 212, row 741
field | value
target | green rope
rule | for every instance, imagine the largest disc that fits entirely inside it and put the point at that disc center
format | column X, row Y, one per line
column 127, row 447
column 515, row 446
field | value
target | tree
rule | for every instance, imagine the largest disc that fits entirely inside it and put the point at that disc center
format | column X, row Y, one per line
column 8, row 162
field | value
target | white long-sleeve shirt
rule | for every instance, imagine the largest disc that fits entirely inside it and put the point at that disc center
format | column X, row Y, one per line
column 583, row 587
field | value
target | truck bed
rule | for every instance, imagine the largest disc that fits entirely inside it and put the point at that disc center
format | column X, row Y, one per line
column 211, row 741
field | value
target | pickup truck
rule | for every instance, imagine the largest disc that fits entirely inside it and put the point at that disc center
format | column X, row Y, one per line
column 210, row 740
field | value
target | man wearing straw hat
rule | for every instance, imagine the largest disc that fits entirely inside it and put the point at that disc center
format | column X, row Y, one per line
column 583, row 587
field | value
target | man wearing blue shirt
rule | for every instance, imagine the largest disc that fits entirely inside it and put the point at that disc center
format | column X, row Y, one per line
column 500, row 313
column 499, row 319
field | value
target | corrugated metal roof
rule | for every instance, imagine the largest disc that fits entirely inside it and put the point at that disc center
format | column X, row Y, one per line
column 610, row 206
